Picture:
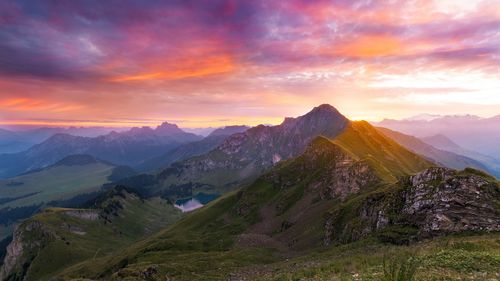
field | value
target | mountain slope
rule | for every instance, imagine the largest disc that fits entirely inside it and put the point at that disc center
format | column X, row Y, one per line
column 440, row 141
column 441, row 157
column 444, row 143
column 190, row 149
column 57, row 237
column 244, row 156
column 303, row 206
column 124, row 148
column 72, row 179
column 363, row 140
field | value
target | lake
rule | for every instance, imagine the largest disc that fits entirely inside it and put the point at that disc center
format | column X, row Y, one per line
column 192, row 203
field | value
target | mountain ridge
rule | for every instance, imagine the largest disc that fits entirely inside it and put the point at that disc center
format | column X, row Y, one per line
column 124, row 148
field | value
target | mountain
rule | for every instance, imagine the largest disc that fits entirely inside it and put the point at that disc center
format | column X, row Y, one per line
column 242, row 157
column 20, row 140
column 444, row 143
column 190, row 149
column 470, row 132
column 124, row 148
column 246, row 155
column 441, row 157
column 424, row 116
column 228, row 130
column 200, row 131
column 66, row 236
column 71, row 181
column 306, row 208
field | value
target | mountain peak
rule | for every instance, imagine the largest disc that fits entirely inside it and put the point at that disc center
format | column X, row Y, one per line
column 168, row 128
column 324, row 111
column 325, row 108
column 323, row 120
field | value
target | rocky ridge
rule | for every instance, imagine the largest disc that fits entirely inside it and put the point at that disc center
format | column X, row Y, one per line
column 248, row 154
column 437, row 201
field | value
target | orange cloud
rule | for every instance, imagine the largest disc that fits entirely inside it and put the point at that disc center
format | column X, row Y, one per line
column 185, row 69
column 29, row 104
column 371, row 46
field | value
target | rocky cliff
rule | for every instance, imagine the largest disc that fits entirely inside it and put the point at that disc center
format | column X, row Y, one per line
column 436, row 201
column 28, row 239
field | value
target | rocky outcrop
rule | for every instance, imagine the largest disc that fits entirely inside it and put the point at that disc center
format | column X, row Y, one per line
column 338, row 174
column 442, row 201
column 14, row 252
column 85, row 214
column 27, row 239
column 436, row 201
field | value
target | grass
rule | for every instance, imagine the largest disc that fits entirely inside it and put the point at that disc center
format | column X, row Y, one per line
column 397, row 269
column 73, row 239
column 439, row 259
column 388, row 157
column 54, row 183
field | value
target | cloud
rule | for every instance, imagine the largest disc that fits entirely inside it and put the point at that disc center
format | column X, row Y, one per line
column 160, row 59
column 29, row 104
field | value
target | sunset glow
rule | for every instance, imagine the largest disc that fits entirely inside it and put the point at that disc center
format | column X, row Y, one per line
column 214, row 63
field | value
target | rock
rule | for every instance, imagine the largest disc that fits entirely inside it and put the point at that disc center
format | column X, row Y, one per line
column 21, row 249
column 91, row 215
column 434, row 202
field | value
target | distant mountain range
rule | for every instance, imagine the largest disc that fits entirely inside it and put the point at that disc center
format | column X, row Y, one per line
column 188, row 150
column 427, row 147
column 19, row 140
column 470, row 132
column 123, row 148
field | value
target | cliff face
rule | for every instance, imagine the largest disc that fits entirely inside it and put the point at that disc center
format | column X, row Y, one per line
column 27, row 240
column 447, row 202
column 330, row 171
column 436, row 201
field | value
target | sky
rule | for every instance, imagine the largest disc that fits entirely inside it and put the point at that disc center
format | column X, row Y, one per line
column 219, row 62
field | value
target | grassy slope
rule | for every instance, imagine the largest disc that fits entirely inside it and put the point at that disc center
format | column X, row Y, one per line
column 54, row 183
column 475, row 257
column 196, row 250
column 388, row 157
column 136, row 219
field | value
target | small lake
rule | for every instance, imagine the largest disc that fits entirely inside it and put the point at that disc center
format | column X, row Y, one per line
column 192, row 203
